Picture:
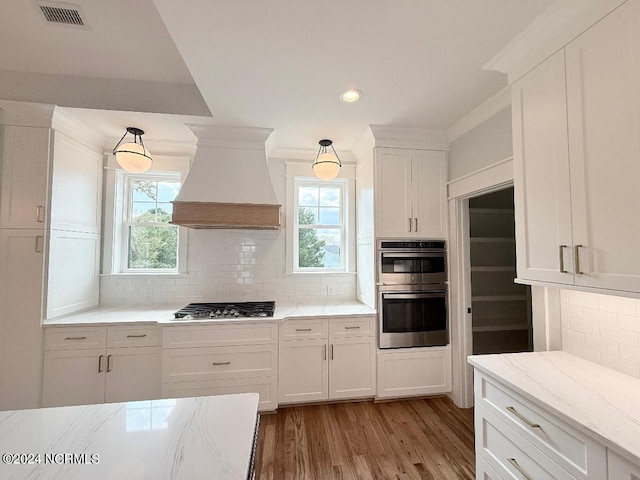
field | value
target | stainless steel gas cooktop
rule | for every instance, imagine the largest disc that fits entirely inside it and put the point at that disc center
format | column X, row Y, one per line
column 225, row 310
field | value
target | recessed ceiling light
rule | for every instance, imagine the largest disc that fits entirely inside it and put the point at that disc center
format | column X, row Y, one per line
column 351, row 95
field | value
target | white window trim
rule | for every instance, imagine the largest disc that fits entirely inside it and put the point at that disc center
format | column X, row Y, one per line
column 301, row 171
column 125, row 179
column 113, row 208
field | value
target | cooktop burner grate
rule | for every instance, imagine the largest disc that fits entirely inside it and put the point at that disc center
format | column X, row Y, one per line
column 226, row 310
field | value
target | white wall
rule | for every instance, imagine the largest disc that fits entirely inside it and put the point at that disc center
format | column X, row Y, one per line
column 232, row 265
column 603, row 329
column 484, row 145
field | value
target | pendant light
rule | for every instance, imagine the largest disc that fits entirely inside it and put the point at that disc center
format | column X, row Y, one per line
column 133, row 156
column 327, row 164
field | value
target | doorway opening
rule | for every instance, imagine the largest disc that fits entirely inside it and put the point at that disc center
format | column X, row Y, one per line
column 500, row 309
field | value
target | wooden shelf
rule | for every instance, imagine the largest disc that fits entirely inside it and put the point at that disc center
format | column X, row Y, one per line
column 509, row 268
column 500, row 328
column 509, row 211
column 498, row 298
column 492, row 240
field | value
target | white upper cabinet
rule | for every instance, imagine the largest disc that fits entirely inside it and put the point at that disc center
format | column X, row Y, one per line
column 410, row 193
column 603, row 97
column 76, row 186
column 577, row 160
column 541, row 174
column 25, row 159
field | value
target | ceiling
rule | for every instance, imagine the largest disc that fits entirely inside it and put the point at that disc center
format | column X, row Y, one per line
column 275, row 63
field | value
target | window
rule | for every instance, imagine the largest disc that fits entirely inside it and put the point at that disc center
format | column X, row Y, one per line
column 319, row 237
column 149, row 241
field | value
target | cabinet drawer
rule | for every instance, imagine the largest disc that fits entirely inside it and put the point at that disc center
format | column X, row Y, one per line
column 212, row 363
column 506, row 451
column 138, row 336
column 569, row 448
column 214, row 335
column 73, row 338
column 265, row 387
column 297, row 329
column 352, row 327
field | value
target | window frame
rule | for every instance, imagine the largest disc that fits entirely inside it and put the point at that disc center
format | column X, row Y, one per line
column 296, row 169
column 126, row 222
column 113, row 199
column 299, row 182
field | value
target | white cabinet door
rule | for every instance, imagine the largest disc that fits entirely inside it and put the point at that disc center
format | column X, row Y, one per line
column 541, row 174
column 603, row 74
column 394, row 217
column 73, row 377
column 76, row 186
column 303, row 372
column 421, row 371
column 21, row 277
column 429, row 182
column 25, row 177
column 133, row 374
column 352, row 367
column 73, row 284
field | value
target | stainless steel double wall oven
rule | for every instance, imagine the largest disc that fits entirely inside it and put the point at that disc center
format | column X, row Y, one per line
column 412, row 293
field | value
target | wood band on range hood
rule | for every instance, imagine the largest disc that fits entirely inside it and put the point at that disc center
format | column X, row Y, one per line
column 247, row 216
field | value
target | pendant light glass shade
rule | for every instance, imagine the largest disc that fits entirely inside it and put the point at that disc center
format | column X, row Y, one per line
column 327, row 164
column 133, row 156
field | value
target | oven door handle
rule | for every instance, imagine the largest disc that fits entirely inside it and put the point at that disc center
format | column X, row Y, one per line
column 414, row 296
column 413, row 255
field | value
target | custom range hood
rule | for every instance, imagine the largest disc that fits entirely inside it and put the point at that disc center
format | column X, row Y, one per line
column 228, row 185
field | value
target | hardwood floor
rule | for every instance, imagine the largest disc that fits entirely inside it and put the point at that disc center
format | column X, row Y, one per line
column 410, row 439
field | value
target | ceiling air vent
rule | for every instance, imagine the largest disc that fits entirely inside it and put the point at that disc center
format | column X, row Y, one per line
column 62, row 14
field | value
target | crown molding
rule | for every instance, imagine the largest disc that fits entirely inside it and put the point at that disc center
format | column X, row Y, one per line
column 563, row 21
column 79, row 131
column 409, row 137
column 220, row 136
column 26, row 114
column 480, row 114
column 307, row 154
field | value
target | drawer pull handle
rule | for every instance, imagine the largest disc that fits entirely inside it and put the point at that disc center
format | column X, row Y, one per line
column 352, row 328
column 221, row 363
column 137, row 336
column 303, row 329
column 561, row 258
column 324, row 352
column 108, row 363
column 576, row 259
column 100, row 363
column 517, row 466
column 75, row 338
column 523, row 418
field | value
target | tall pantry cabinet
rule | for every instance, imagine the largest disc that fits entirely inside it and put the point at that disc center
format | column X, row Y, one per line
column 44, row 270
column 576, row 119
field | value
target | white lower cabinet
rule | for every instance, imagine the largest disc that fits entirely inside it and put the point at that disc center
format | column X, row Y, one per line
column 210, row 359
column 327, row 359
column 520, row 439
column 84, row 365
column 620, row 468
column 412, row 372
column 485, row 472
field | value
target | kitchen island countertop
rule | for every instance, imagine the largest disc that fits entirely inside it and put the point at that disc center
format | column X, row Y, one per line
column 185, row 438
column 149, row 314
column 601, row 402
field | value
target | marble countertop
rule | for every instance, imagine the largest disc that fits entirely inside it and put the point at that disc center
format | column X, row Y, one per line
column 186, row 438
column 114, row 315
column 601, row 402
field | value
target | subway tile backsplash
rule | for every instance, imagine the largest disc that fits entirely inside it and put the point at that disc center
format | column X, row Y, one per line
column 229, row 265
column 603, row 329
